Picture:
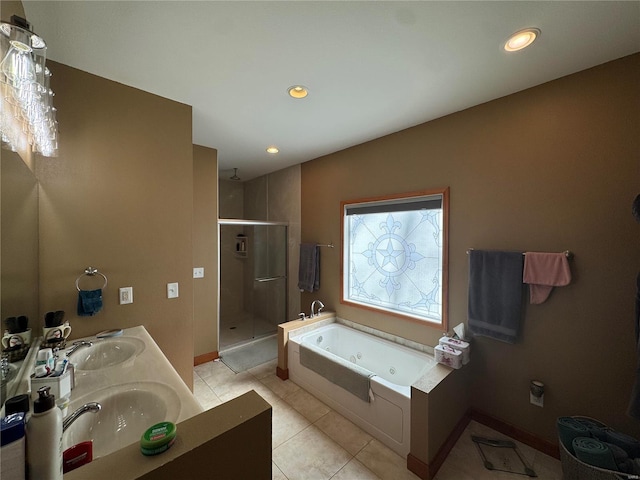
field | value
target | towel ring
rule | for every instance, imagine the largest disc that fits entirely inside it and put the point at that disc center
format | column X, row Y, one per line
column 91, row 272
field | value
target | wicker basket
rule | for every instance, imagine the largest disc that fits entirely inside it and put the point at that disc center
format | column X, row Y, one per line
column 575, row 469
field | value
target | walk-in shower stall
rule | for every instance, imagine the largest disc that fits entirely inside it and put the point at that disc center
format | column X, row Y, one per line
column 253, row 280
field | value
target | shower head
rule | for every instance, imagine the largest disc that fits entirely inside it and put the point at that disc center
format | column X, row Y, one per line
column 235, row 175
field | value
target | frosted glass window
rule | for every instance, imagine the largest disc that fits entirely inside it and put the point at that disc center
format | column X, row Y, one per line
column 394, row 255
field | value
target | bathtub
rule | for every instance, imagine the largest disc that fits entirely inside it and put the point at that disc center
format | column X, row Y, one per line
column 388, row 416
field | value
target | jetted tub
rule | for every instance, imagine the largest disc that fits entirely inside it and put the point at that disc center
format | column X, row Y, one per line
column 396, row 367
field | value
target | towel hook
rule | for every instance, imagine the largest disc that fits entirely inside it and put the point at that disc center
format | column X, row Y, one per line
column 91, row 272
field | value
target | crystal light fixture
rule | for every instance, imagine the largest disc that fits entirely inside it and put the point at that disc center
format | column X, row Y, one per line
column 27, row 115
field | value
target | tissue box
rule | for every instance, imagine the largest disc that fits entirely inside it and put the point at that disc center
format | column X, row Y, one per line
column 448, row 356
column 60, row 386
column 457, row 345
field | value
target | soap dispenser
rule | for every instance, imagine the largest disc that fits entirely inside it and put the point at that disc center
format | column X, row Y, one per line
column 44, row 438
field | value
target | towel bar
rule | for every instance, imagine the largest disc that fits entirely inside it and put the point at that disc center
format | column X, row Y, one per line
column 567, row 253
column 90, row 271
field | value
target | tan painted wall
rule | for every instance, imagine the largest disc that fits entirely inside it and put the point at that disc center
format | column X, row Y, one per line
column 19, row 221
column 551, row 168
column 205, row 249
column 119, row 197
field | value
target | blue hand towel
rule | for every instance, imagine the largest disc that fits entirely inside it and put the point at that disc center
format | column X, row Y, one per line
column 89, row 302
column 309, row 268
column 495, row 294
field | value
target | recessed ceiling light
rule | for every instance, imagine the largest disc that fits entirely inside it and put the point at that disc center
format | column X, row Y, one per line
column 272, row 149
column 298, row 91
column 521, row 39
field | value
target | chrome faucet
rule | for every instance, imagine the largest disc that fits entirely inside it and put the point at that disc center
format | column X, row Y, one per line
column 76, row 346
column 93, row 407
column 313, row 304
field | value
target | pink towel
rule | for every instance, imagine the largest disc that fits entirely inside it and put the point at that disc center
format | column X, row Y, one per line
column 543, row 271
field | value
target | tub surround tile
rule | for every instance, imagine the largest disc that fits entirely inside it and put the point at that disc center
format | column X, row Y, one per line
column 432, row 378
column 302, row 328
column 346, row 434
column 387, row 336
column 321, row 460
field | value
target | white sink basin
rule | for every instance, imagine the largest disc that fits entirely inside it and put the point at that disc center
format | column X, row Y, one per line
column 107, row 353
column 127, row 411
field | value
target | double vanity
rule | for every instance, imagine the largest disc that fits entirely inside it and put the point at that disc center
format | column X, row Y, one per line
column 136, row 386
column 134, row 383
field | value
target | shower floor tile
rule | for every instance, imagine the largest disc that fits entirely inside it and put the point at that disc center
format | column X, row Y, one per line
column 312, row 442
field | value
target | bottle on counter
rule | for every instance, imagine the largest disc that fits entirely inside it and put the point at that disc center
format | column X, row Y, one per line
column 44, row 438
column 12, row 452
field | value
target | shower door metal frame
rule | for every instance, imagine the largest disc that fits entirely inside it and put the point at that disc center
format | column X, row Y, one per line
column 252, row 223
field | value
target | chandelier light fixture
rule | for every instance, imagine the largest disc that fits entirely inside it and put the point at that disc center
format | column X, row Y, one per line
column 27, row 114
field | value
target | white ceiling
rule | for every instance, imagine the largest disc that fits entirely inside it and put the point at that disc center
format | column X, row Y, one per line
column 372, row 68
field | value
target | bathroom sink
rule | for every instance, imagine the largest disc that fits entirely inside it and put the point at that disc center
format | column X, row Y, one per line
column 107, row 353
column 5, row 381
column 127, row 411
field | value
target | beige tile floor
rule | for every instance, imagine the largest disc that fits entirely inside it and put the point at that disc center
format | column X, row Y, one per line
column 310, row 441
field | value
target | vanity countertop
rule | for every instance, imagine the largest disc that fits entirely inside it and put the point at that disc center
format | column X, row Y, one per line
column 149, row 365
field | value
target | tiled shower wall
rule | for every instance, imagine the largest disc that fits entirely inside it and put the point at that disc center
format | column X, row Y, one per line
column 273, row 197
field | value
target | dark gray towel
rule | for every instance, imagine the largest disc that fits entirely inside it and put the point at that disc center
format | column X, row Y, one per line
column 495, row 294
column 349, row 376
column 309, row 268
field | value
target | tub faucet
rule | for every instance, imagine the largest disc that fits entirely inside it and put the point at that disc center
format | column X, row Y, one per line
column 77, row 345
column 93, row 407
column 313, row 304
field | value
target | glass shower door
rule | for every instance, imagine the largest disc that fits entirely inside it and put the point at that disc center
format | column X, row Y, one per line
column 270, row 278
column 253, row 280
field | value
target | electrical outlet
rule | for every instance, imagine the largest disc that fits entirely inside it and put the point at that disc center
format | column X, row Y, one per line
column 126, row 295
column 198, row 272
column 172, row 290
column 537, row 401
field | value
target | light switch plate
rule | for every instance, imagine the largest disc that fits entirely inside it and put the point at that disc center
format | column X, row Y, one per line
column 126, row 295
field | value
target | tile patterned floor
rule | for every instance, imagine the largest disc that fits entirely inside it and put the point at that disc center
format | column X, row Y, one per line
column 312, row 442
